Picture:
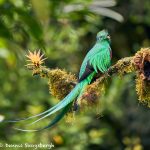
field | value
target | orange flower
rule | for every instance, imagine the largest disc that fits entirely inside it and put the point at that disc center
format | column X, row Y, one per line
column 35, row 58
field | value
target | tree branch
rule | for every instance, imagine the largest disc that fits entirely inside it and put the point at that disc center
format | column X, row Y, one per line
column 61, row 82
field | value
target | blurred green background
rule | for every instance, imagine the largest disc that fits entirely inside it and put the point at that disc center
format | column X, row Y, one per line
column 65, row 30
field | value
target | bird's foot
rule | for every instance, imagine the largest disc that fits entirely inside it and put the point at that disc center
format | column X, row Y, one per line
column 107, row 73
column 75, row 106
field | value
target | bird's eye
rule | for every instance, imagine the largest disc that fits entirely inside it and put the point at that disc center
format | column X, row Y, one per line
column 99, row 37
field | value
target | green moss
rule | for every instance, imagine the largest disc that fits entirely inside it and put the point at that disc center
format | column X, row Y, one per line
column 60, row 83
column 142, row 81
column 125, row 66
column 143, row 90
column 92, row 94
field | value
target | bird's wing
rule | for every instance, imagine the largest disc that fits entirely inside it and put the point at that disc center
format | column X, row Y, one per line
column 101, row 61
column 98, row 58
column 88, row 70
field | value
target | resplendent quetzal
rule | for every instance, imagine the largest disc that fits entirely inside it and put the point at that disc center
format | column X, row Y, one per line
column 97, row 59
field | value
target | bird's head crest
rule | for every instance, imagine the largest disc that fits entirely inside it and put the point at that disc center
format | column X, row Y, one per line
column 103, row 35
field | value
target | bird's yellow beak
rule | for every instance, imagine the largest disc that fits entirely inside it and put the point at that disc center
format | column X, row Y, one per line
column 108, row 37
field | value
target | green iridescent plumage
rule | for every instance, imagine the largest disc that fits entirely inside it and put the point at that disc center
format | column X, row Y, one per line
column 97, row 59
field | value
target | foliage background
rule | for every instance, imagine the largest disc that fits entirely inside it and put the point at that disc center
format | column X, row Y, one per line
column 65, row 34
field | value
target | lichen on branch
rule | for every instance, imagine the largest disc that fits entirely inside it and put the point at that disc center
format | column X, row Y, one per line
column 61, row 83
column 141, row 62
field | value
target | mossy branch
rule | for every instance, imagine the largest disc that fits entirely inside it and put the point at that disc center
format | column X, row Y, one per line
column 61, row 82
